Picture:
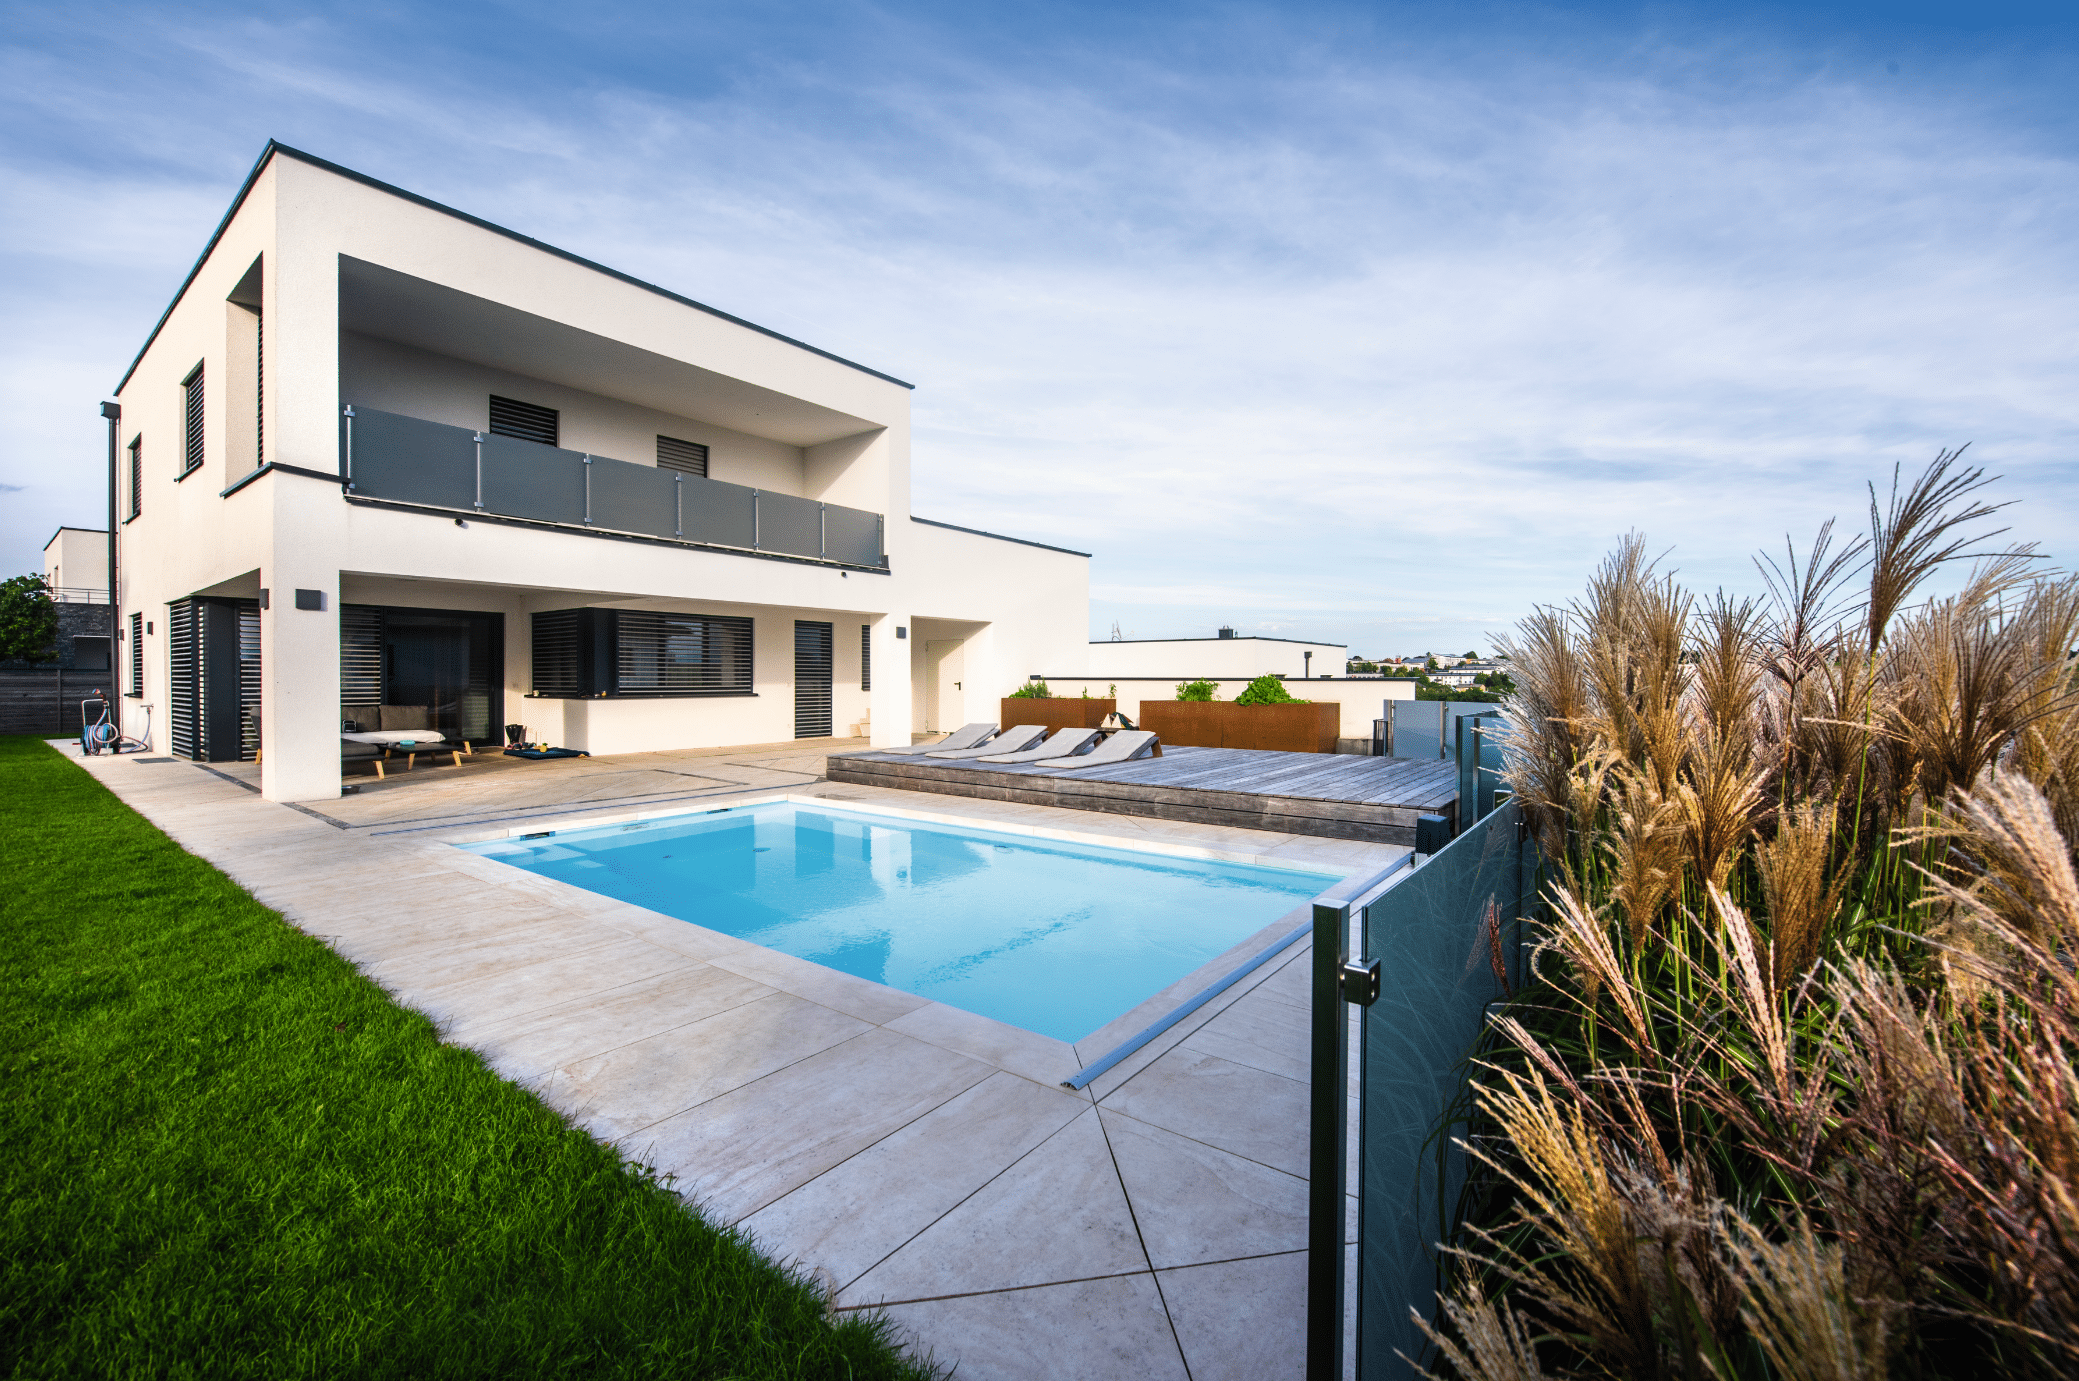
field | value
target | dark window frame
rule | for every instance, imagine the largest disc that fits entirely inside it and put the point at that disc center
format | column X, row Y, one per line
column 686, row 457
column 137, row 656
column 194, row 421
column 593, row 654
column 136, row 449
column 524, row 421
column 866, row 656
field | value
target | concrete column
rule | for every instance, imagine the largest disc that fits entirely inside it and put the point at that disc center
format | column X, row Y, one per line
column 893, row 722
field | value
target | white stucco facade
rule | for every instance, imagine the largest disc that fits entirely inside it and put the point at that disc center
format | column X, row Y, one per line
column 75, row 563
column 325, row 291
column 1216, row 659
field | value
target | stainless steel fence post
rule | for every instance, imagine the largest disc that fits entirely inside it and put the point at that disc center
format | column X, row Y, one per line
column 349, row 475
column 588, row 490
column 755, row 530
column 823, row 529
column 678, row 505
column 478, row 438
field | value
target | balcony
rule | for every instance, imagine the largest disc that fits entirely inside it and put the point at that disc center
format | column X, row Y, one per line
column 387, row 456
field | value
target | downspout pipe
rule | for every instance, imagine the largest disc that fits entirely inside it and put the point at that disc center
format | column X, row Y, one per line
column 114, row 413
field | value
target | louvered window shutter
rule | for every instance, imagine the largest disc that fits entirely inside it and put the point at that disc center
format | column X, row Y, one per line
column 524, row 421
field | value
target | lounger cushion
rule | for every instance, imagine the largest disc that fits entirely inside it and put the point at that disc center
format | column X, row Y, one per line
column 966, row 736
column 1124, row 746
column 1064, row 743
column 1012, row 740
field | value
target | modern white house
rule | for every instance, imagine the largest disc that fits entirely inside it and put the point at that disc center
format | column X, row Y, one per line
column 1227, row 656
column 382, row 460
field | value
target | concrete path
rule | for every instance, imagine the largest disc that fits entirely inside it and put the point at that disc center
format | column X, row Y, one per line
column 911, row 1156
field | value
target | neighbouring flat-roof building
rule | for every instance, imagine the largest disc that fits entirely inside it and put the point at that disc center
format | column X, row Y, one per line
column 383, row 459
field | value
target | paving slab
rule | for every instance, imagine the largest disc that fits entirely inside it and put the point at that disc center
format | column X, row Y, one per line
column 914, row 1154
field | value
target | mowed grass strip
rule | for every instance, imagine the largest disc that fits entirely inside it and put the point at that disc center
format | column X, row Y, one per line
column 227, row 1154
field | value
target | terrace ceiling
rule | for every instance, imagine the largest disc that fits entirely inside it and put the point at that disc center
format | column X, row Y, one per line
column 388, row 305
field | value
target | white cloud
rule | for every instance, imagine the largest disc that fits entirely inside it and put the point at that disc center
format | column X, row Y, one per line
column 1373, row 339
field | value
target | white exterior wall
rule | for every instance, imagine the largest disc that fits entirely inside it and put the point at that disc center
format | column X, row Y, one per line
column 77, row 559
column 391, row 377
column 1017, row 606
column 1186, row 659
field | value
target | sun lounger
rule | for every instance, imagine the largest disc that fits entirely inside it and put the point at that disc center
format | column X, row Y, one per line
column 1013, row 740
column 1065, row 743
column 966, row 736
column 1124, row 746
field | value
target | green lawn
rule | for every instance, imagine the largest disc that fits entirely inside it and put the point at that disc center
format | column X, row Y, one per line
column 224, row 1153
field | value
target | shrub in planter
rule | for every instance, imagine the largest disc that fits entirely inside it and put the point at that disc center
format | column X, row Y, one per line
column 1199, row 690
column 1033, row 690
column 1268, row 690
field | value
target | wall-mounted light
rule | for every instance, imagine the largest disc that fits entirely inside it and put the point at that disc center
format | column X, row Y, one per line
column 901, row 632
column 311, row 599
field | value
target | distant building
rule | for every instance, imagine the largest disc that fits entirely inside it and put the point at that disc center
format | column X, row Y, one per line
column 75, row 567
column 1220, row 658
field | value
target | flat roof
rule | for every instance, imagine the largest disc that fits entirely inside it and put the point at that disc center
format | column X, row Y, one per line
column 277, row 147
column 64, row 528
column 1238, row 638
column 1021, row 541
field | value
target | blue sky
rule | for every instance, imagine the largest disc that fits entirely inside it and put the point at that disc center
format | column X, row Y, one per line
column 1369, row 323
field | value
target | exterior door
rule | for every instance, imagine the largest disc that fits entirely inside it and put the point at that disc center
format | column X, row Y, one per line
column 943, row 705
column 811, row 679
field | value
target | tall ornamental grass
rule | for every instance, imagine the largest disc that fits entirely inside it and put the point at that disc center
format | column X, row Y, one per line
column 1793, row 1092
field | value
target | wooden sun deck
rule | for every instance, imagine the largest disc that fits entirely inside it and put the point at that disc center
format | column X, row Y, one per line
column 1328, row 795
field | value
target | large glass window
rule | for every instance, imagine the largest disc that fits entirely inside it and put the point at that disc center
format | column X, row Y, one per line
column 640, row 653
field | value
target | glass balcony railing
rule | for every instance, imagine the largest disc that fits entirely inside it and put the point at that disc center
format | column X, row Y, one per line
column 409, row 460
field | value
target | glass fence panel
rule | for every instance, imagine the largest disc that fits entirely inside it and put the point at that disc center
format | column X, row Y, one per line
column 634, row 498
column 716, row 512
column 1418, row 730
column 853, row 536
column 790, row 525
column 1478, row 750
column 525, row 479
column 1447, row 941
column 410, row 460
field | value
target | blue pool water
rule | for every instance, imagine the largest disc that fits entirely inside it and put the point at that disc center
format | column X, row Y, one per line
column 1057, row 938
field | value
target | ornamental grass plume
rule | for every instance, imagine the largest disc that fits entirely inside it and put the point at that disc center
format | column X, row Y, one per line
column 1800, row 901
column 1790, row 1090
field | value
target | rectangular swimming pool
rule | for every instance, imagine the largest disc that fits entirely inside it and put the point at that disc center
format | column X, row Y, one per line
column 1056, row 937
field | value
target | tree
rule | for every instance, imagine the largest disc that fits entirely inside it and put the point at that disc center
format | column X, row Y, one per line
column 28, row 620
column 1472, row 656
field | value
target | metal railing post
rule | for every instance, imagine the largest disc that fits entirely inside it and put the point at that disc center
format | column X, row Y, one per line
column 823, row 529
column 478, row 439
column 756, row 531
column 678, row 505
column 1328, row 1129
column 588, row 491
column 348, row 477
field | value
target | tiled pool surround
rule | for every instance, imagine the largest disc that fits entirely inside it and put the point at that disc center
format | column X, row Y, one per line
column 919, row 1158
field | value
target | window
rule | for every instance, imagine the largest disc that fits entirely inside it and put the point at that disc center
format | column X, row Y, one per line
column 136, row 475
column 137, row 654
column 526, row 421
column 635, row 653
column 558, row 670
column 866, row 656
column 687, row 457
column 191, row 455
column 259, row 389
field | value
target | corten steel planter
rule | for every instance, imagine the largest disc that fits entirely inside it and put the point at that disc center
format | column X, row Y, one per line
column 1057, row 712
column 1305, row 728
